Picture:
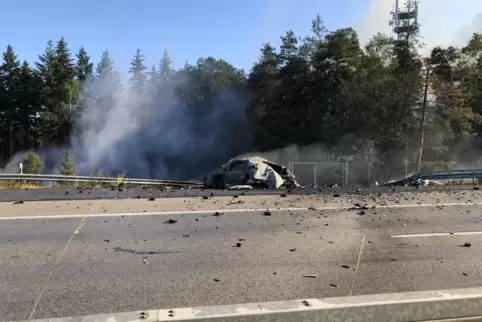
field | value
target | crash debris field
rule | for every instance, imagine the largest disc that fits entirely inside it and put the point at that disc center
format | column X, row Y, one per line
column 237, row 201
column 79, row 257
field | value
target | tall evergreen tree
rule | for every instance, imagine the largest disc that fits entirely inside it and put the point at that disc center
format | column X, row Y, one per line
column 9, row 96
column 138, row 80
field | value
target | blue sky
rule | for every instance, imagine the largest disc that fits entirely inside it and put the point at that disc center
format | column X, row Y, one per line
column 230, row 29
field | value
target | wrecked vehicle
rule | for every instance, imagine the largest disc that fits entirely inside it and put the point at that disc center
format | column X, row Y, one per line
column 414, row 181
column 254, row 172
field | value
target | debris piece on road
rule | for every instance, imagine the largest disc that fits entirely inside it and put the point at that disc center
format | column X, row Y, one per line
column 237, row 245
column 476, row 188
column 267, row 213
column 120, row 189
column 345, row 266
column 466, row 245
column 312, row 208
column 242, row 239
column 185, row 235
column 283, row 195
column 151, row 199
column 170, row 221
column 205, row 197
column 333, row 285
column 235, row 196
column 145, row 261
column 361, row 213
column 216, row 280
column 465, row 274
column 20, row 202
column 309, row 276
column 336, row 195
column 292, row 250
column 80, row 191
column 393, row 259
column 217, row 214
column 107, row 240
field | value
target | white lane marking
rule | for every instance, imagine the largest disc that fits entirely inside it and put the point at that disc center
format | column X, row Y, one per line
column 461, row 233
column 167, row 213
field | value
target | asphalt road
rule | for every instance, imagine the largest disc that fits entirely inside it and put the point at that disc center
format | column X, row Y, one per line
column 75, row 266
column 49, row 194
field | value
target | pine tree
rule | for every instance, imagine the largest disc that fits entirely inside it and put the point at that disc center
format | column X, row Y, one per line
column 9, row 78
column 138, row 80
column 84, row 67
column 165, row 69
column 68, row 165
column 33, row 164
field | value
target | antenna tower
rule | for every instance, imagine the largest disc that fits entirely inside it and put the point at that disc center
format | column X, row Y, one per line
column 404, row 20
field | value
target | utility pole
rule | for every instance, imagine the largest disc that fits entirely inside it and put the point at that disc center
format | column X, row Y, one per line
column 422, row 122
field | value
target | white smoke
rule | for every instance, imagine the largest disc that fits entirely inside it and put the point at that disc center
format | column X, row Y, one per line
column 157, row 135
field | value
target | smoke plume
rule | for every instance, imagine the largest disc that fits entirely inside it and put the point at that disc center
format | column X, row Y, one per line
column 158, row 135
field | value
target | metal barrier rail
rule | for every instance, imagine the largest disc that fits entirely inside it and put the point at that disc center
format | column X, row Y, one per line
column 446, row 305
column 63, row 178
column 450, row 174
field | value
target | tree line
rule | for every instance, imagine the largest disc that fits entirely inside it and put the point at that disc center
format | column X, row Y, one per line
column 383, row 102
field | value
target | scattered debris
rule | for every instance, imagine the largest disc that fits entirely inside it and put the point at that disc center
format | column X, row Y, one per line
column 242, row 239
column 309, row 276
column 185, row 235
column 205, row 197
column 216, row 280
column 465, row 274
column 238, row 245
column 107, row 240
column 20, row 202
column 217, row 214
column 311, row 208
column 170, row 221
column 333, row 285
column 336, row 195
column 476, row 188
column 292, row 250
column 283, row 195
column 120, row 189
column 393, row 259
column 345, row 266
column 151, row 199
column 466, row 245
column 361, row 213
column 267, row 213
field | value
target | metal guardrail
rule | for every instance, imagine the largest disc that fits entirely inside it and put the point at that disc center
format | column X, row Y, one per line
column 114, row 180
column 450, row 174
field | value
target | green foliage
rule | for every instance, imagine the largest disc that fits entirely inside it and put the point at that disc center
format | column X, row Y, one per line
column 32, row 164
column 324, row 88
column 68, row 165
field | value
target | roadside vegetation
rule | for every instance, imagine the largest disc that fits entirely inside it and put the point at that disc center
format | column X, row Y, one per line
column 384, row 102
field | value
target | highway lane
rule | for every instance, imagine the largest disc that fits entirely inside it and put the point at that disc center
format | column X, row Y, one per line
column 48, row 194
column 78, row 266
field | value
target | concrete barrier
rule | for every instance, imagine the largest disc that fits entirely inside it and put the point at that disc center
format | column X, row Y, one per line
column 445, row 305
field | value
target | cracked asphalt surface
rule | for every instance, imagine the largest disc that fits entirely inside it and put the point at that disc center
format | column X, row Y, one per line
column 90, row 265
